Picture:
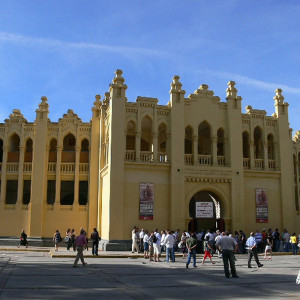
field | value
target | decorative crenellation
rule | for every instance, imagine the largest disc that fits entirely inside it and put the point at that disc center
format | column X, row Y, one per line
column 16, row 117
column 106, row 99
column 278, row 97
column 176, row 85
column 296, row 137
column 43, row 106
column 207, row 180
column 70, row 117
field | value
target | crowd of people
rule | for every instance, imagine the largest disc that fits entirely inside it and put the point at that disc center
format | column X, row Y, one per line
column 224, row 244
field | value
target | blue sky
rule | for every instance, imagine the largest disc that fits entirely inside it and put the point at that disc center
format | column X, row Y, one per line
column 69, row 50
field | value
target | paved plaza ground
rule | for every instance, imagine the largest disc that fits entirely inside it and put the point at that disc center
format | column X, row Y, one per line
column 37, row 275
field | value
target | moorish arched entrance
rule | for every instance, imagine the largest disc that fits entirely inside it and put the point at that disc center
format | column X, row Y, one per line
column 206, row 212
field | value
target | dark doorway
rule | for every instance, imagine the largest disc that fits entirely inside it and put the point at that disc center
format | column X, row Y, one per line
column 209, row 214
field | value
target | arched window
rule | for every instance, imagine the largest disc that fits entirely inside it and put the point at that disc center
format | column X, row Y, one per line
column 53, row 151
column 68, row 154
column 258, row 143
column 1, row 151
column 28, row 151
column 271, row 146
column 146, row 138
column 246, row 145
column 204, row 139
column 162, row 138
column 84, row 151
column 188, row 140
column 14, row 148
column 220, row 142
column 130, row 136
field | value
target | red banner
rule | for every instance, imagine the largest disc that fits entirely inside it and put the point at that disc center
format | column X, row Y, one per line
column 146, row 201
column 261, row 200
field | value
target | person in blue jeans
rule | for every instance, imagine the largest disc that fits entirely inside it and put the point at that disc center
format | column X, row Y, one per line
column 169, row 242
column 191, row 245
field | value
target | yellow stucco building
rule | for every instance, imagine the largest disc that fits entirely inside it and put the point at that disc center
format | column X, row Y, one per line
column 194, row 163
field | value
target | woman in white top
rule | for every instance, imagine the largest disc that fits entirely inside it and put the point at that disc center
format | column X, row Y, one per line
column 146, row 245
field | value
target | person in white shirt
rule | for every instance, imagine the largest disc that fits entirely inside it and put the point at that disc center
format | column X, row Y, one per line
column 135, row 246
column 210, row 236
column 169, row 242
column 219, row 236
column 156, row 245
column 146, row 245
column 141, row 242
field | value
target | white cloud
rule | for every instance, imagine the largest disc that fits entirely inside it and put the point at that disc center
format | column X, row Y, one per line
column 253, row 82
column 53, row 43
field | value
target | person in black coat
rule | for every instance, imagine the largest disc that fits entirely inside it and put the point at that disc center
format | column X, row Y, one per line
column 95, row 238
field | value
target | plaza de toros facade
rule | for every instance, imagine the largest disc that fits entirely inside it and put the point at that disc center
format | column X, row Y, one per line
column 194, row 163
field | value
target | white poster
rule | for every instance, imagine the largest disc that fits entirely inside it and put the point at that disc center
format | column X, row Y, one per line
column 204, row 210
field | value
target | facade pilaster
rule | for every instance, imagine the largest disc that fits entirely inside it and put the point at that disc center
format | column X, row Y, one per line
column 266, row 158
column 225, row 145
column 252, row 164
column 76, row 180
column 39, row 170
column 195, row 150
column 285, row 161
column 168, row 147
column 234, row 157
column 57, row 178
column 3, row 177
column 95, row 154
column 138, row 146
column 177, row 212
column 20, row 176
column 215, row 150
column 113, row 211
column 155, row 146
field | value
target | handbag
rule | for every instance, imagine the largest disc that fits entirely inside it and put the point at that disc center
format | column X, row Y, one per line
column 180, row 244
column 67, row 238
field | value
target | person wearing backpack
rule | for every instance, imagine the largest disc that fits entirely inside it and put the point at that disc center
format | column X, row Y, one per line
column 57, row 239
column 95, row 238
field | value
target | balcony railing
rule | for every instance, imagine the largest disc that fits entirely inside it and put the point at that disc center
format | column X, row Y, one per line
column 12, row 167
column 162, row 157
column 67, row 167
column 221, row 160
column 259, row 163
column 83, row 168
column 188, row 159
column 52, row 167
column 27, row 167
column 130, row 155
column 272, row 164
column 205, row 160
column 246, row 163
column 146, row 156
